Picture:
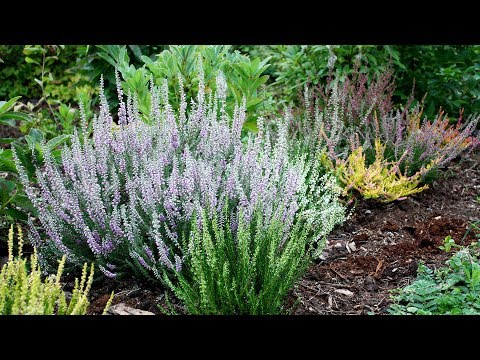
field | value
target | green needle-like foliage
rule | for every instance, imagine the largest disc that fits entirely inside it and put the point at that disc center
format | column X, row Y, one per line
column 244, row 272
column 24, row 292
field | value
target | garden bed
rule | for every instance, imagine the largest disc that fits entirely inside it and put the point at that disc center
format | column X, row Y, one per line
column 389, row 241
column 385, row 243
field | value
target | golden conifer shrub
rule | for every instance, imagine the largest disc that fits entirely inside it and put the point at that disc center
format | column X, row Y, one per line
column 382, row 180
column 23, row 291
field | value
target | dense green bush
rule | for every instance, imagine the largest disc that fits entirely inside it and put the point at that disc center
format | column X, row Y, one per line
column 294, row 66
column 21, row 71
column 447, row 74
column 16, row 75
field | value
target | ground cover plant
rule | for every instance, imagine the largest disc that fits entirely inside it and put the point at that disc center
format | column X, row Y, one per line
column 450, row 290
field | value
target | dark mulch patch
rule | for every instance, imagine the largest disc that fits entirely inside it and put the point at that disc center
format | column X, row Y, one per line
column 134, row 294
column 9, row 132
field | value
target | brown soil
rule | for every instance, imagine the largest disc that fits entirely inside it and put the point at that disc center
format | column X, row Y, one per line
column 134, row 294
column 9, row 132
column 386, row 243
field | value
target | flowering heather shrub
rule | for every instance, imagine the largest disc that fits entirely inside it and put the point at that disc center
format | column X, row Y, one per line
column 426, row 140
column 352, row 115
column 247, row 272
column 126, row 198
column 24, row 292
column 343, row 109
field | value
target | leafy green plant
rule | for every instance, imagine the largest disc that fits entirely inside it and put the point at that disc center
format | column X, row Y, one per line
column 448, row 244
column 23, row 291
column 14, row 204
column 67, row 117
column 247, row 272
column 11, row 196
column 243, row 76
column 450, row 290
column 448, row 74
column 294, row 66
column 9, row 117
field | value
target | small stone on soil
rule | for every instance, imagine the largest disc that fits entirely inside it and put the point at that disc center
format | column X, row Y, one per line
column 122, row 309
column 344, row 292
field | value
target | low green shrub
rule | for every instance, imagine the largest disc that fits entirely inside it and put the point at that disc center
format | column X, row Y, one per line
column 249, row 272
column 23, row 291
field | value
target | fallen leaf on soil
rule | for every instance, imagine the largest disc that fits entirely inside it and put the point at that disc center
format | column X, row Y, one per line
column 379, row 269
column 344, row 292
column 389, row 226
column 356, row 271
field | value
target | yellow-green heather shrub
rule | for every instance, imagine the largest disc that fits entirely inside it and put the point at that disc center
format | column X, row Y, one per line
column 24, row 292
column 382, row 180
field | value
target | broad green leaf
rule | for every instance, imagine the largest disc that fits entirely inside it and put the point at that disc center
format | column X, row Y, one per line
column 22, row 201
column 16, row 116
column 4, row 106
column 108, row 59
column 29, row 60
column 136, row 51
column 36, row 135
column 53, row 143
column 6, row 162
column 9, row 122
column 15, row 214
